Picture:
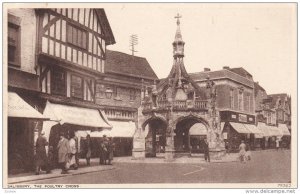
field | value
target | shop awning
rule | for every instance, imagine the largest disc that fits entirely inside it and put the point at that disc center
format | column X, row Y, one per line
column 119, row 129
column 284, row 130
column 268, row 130
column 75, row 115
column 240, row 128
column 198, row 129
column 264, row 128
column 274, row 131
column 253, row 129
column 18, row 108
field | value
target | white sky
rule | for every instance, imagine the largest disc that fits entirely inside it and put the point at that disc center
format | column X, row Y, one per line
column 258, row 37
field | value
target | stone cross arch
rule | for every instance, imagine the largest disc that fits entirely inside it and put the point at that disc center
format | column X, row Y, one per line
column 153, row 118
column 197, row 119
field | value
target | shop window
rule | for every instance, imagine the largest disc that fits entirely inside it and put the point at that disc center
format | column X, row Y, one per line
column 76, row 87
column 132, row 95
column 58, row 82
column 14, row 40
column 76, row 36
column 100, row 91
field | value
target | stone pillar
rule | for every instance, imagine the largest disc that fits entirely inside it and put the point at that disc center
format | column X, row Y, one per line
column 138, row 150
column 170, row 149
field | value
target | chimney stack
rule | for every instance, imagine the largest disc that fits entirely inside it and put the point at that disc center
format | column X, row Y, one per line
column 206, row 69
column 226, row 67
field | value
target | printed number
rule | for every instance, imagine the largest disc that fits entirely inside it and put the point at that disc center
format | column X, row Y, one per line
column 284, row 185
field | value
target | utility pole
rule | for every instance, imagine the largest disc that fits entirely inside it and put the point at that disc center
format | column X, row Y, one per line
column 132, row 42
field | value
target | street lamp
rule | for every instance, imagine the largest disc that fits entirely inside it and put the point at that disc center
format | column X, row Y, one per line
column 108, row 93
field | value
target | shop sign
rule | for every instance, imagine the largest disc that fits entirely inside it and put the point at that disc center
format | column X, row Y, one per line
column 233, row 116
column 242, row 118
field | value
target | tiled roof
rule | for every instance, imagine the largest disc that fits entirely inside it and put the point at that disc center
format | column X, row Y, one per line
column 125, row 64
column 221, row 74
column 241, row 71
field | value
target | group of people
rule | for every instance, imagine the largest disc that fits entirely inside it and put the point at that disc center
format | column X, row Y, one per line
column 68, row 154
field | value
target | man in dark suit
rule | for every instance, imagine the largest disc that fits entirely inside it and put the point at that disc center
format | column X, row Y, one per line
column 206, row 151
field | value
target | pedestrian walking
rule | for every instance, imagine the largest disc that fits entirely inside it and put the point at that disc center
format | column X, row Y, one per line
column 50, row 158
column 102, row 150
column 206, row 150
column 227, row 147
column 72, row 143
column 41, row 155
column 88, row 149
column 63, row 148
column 277, row 144
column 110, row 151
column 242, row 151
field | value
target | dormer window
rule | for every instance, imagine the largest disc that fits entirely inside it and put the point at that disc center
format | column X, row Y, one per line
column 77, row 37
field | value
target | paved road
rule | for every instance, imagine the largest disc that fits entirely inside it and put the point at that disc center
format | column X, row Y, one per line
column 265, row 167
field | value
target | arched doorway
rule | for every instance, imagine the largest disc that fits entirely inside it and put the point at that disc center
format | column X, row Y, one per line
column 155, row 136
column 190, row 133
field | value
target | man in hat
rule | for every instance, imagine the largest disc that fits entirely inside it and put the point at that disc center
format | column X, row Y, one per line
column 206, row 151
column 103, row 150
column 41, row 159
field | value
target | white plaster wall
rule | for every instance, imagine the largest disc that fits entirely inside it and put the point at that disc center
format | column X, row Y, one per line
column 28, row 37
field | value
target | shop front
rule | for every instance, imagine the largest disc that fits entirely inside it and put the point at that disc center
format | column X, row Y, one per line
column 71, row 120
column 23, row 124
column 286, row 136
column 237, row 127
column 122, row 136
column 270, row 134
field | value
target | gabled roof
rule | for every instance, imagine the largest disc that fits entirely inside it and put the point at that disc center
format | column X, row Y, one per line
column 241, row 71
column 125, row 64
column 110, row 39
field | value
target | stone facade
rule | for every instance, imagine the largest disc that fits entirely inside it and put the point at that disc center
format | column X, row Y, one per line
column 171, row 107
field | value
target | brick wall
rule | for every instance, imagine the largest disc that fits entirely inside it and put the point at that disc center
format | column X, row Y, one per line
column 28, row 37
